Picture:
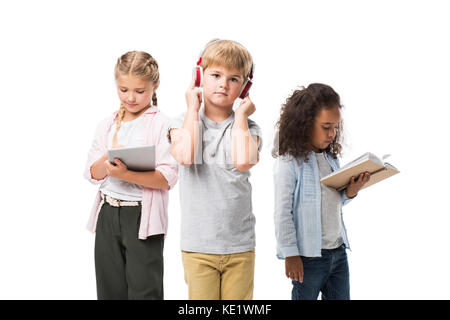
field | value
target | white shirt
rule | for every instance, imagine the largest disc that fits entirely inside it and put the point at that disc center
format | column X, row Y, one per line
column 131, row 134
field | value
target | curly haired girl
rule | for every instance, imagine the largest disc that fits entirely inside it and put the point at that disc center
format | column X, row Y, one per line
column 310, row 231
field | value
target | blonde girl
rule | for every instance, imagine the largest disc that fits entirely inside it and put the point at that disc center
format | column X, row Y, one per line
column 129, row 215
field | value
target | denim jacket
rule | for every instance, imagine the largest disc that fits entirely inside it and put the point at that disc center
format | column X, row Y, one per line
column 298, row 226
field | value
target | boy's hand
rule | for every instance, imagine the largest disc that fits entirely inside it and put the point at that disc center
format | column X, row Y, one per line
column 246, row 108
column 356, row 183
column 193, row 97
column 294, row 268
column 116, row 170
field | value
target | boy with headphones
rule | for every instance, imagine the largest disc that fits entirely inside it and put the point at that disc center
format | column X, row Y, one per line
column 216, row 147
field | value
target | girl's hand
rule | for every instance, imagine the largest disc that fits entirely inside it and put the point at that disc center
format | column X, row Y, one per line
column 193, row 97
column 356, row 183
column 246, row 108
column 98, row 168
column 294, row 268
column 117, row 170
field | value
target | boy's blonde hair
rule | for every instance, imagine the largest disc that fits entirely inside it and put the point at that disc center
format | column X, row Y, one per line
column 139, row 64
column 228, row 54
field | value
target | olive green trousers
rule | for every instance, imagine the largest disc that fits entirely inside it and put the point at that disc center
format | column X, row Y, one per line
column 125, row 266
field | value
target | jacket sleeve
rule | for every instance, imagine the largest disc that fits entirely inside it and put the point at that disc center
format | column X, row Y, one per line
column 96, row 151
column 285, row 180
column 165, row 163
column 344, row 197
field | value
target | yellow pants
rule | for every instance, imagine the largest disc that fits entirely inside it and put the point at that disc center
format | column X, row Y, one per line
column 219, row 276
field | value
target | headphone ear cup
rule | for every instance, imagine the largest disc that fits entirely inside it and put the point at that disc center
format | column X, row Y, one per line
column 198, row 73
column 245, row 89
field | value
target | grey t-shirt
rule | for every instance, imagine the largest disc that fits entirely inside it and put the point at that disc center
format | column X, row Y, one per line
column 215, row 197
column 331, row 208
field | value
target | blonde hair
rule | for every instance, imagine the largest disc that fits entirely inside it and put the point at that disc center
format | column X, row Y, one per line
column 229, row 54
column 139, row 64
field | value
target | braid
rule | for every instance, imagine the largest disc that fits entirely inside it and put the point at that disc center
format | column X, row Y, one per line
column 119, row 119
column 154, row 73
column 154, row 70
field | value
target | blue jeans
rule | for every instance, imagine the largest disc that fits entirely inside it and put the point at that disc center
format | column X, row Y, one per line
column 328, row 274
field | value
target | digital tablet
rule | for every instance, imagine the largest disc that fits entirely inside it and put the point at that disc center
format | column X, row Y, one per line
column 135, row 158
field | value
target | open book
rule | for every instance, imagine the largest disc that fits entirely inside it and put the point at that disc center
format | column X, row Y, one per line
column 378, row 170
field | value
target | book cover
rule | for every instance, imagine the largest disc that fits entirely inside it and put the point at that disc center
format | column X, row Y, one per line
column 378, row 170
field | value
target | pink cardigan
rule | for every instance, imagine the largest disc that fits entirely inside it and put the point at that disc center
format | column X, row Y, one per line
column 154, row 201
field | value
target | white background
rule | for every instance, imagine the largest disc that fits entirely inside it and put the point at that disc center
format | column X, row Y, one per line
column 389, row 61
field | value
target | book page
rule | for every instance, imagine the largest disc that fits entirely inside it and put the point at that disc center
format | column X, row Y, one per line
column 364, row 157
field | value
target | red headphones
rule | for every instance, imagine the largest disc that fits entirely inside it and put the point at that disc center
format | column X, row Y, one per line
column 198, row 73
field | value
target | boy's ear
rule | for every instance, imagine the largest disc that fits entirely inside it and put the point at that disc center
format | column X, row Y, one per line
column 156, row 86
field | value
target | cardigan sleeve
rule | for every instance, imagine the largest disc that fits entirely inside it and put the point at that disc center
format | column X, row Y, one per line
column 165, row 163
column 96, row 151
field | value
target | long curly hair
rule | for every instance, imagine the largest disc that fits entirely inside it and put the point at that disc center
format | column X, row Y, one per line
column 297, row 117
